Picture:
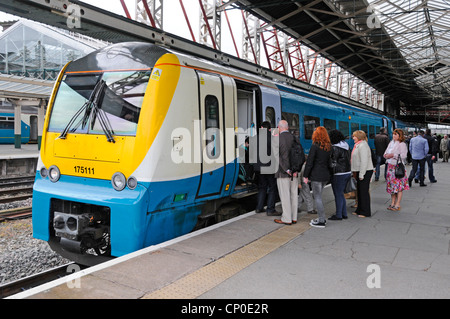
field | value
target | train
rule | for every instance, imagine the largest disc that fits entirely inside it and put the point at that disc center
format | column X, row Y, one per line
column 141, row 145
column 7, row 128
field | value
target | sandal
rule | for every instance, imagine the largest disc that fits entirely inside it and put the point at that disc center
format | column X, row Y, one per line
column 391, row 207
column 396, row 208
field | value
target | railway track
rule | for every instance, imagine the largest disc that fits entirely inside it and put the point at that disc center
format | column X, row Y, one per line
column 15, row 213
column 32, row 281
column 13, row 189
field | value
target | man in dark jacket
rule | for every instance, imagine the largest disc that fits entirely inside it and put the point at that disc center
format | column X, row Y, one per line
column 432, row 152
column 267, row 184
column 287, row 181
column 381, row 143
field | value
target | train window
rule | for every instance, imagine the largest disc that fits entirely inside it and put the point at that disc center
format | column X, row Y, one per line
column 6, row 125
column 310, row 124
column 119, row 95
column 377, row 129
column 329, row 124
column 212, row 126
column 364, row 128
column 372, row 131
column 270, row 116
column 343, row 127
column 293, row 121
column 354, row 127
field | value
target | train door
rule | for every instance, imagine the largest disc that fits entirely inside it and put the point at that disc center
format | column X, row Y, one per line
column 33, row 128
column 212, row 137
column 271, row 105
column 247, row 100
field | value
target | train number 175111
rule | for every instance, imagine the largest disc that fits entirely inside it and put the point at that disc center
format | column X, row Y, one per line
column 84, row 170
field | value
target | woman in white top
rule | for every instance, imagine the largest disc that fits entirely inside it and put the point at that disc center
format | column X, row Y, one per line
column 395, row 186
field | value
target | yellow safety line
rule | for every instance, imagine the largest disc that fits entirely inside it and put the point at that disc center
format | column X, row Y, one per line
column 208, row 277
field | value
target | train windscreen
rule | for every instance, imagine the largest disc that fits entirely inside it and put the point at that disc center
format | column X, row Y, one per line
column 79, row 101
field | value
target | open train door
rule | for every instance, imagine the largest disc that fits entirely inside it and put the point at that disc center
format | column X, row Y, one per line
column 271, row 105
column 212, row 134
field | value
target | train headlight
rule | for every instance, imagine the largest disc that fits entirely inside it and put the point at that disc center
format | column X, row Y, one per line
column 43, row 171
column 132, row 182
column 53, row 173
column 118, row 181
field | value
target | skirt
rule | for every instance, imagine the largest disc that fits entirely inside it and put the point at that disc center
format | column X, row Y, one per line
column 394, row 184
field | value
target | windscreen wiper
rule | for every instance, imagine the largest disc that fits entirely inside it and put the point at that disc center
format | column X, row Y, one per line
column 98, row 113
column 86, row 108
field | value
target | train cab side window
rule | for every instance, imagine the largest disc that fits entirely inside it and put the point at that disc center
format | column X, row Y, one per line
column 270, row 116
column 329, row 124
column 212, row 126
column 343, row 127
column 310, row 124
column 6, row 125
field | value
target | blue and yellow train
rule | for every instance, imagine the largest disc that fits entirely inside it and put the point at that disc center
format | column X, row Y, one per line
column 141, row 144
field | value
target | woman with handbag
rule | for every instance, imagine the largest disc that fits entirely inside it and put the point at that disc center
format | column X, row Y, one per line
column 396, row 177
column 361, row 163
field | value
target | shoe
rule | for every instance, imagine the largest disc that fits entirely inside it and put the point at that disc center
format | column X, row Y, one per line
column 334, row 217
column 279, row 221
column 376, row 179
column 294, row 222
column 435, row 181
column 316, row 223
column 344, row 217
column 410, row 182
column 274, row 213
column 396, row 208
column 260, row 211
column 391, row 207
column 312, row 211
column 416, row 180
column 422, row 185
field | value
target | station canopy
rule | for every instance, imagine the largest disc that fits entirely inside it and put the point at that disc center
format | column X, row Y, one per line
column 399, row 47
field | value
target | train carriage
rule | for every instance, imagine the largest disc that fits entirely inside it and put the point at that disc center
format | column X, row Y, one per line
column 141, row 145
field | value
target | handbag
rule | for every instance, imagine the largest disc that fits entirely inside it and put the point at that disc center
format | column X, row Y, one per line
column 351, row 185
column 400, row 170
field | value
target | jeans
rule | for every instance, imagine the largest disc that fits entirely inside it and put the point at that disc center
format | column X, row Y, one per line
column 317, row 188
column 430, row 168
column 266, row 188
column 338, row 184
column 415, row 164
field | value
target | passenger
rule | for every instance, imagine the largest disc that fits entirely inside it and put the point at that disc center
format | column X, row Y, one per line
column 381, row 143
column 432, row 153
column 361, row 163
column 444, row 148
column 341, row 169
column 317, row 170
column 287, row 181
column 418, row 146
column 267, row 184
column 245, row 168
column 395, row 186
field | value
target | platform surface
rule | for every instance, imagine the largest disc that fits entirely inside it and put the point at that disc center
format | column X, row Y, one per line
column 8, row 151
column 389, row 255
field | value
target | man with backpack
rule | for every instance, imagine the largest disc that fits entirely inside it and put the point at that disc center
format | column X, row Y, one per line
column 287, row 175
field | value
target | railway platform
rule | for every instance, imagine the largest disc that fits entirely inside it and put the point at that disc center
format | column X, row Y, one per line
column 18, row 161
column 401, row 254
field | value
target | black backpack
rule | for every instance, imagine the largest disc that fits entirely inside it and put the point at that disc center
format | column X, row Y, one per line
column 296, row 155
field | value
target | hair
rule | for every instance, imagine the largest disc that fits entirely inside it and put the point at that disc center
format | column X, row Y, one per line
column 383, row 130
column 336, row 136
column 401, row 134
column 320, row 137
column 360, row 135
column 266, row 125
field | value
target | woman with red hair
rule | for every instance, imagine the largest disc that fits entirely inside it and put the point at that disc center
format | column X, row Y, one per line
column 317, row 171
